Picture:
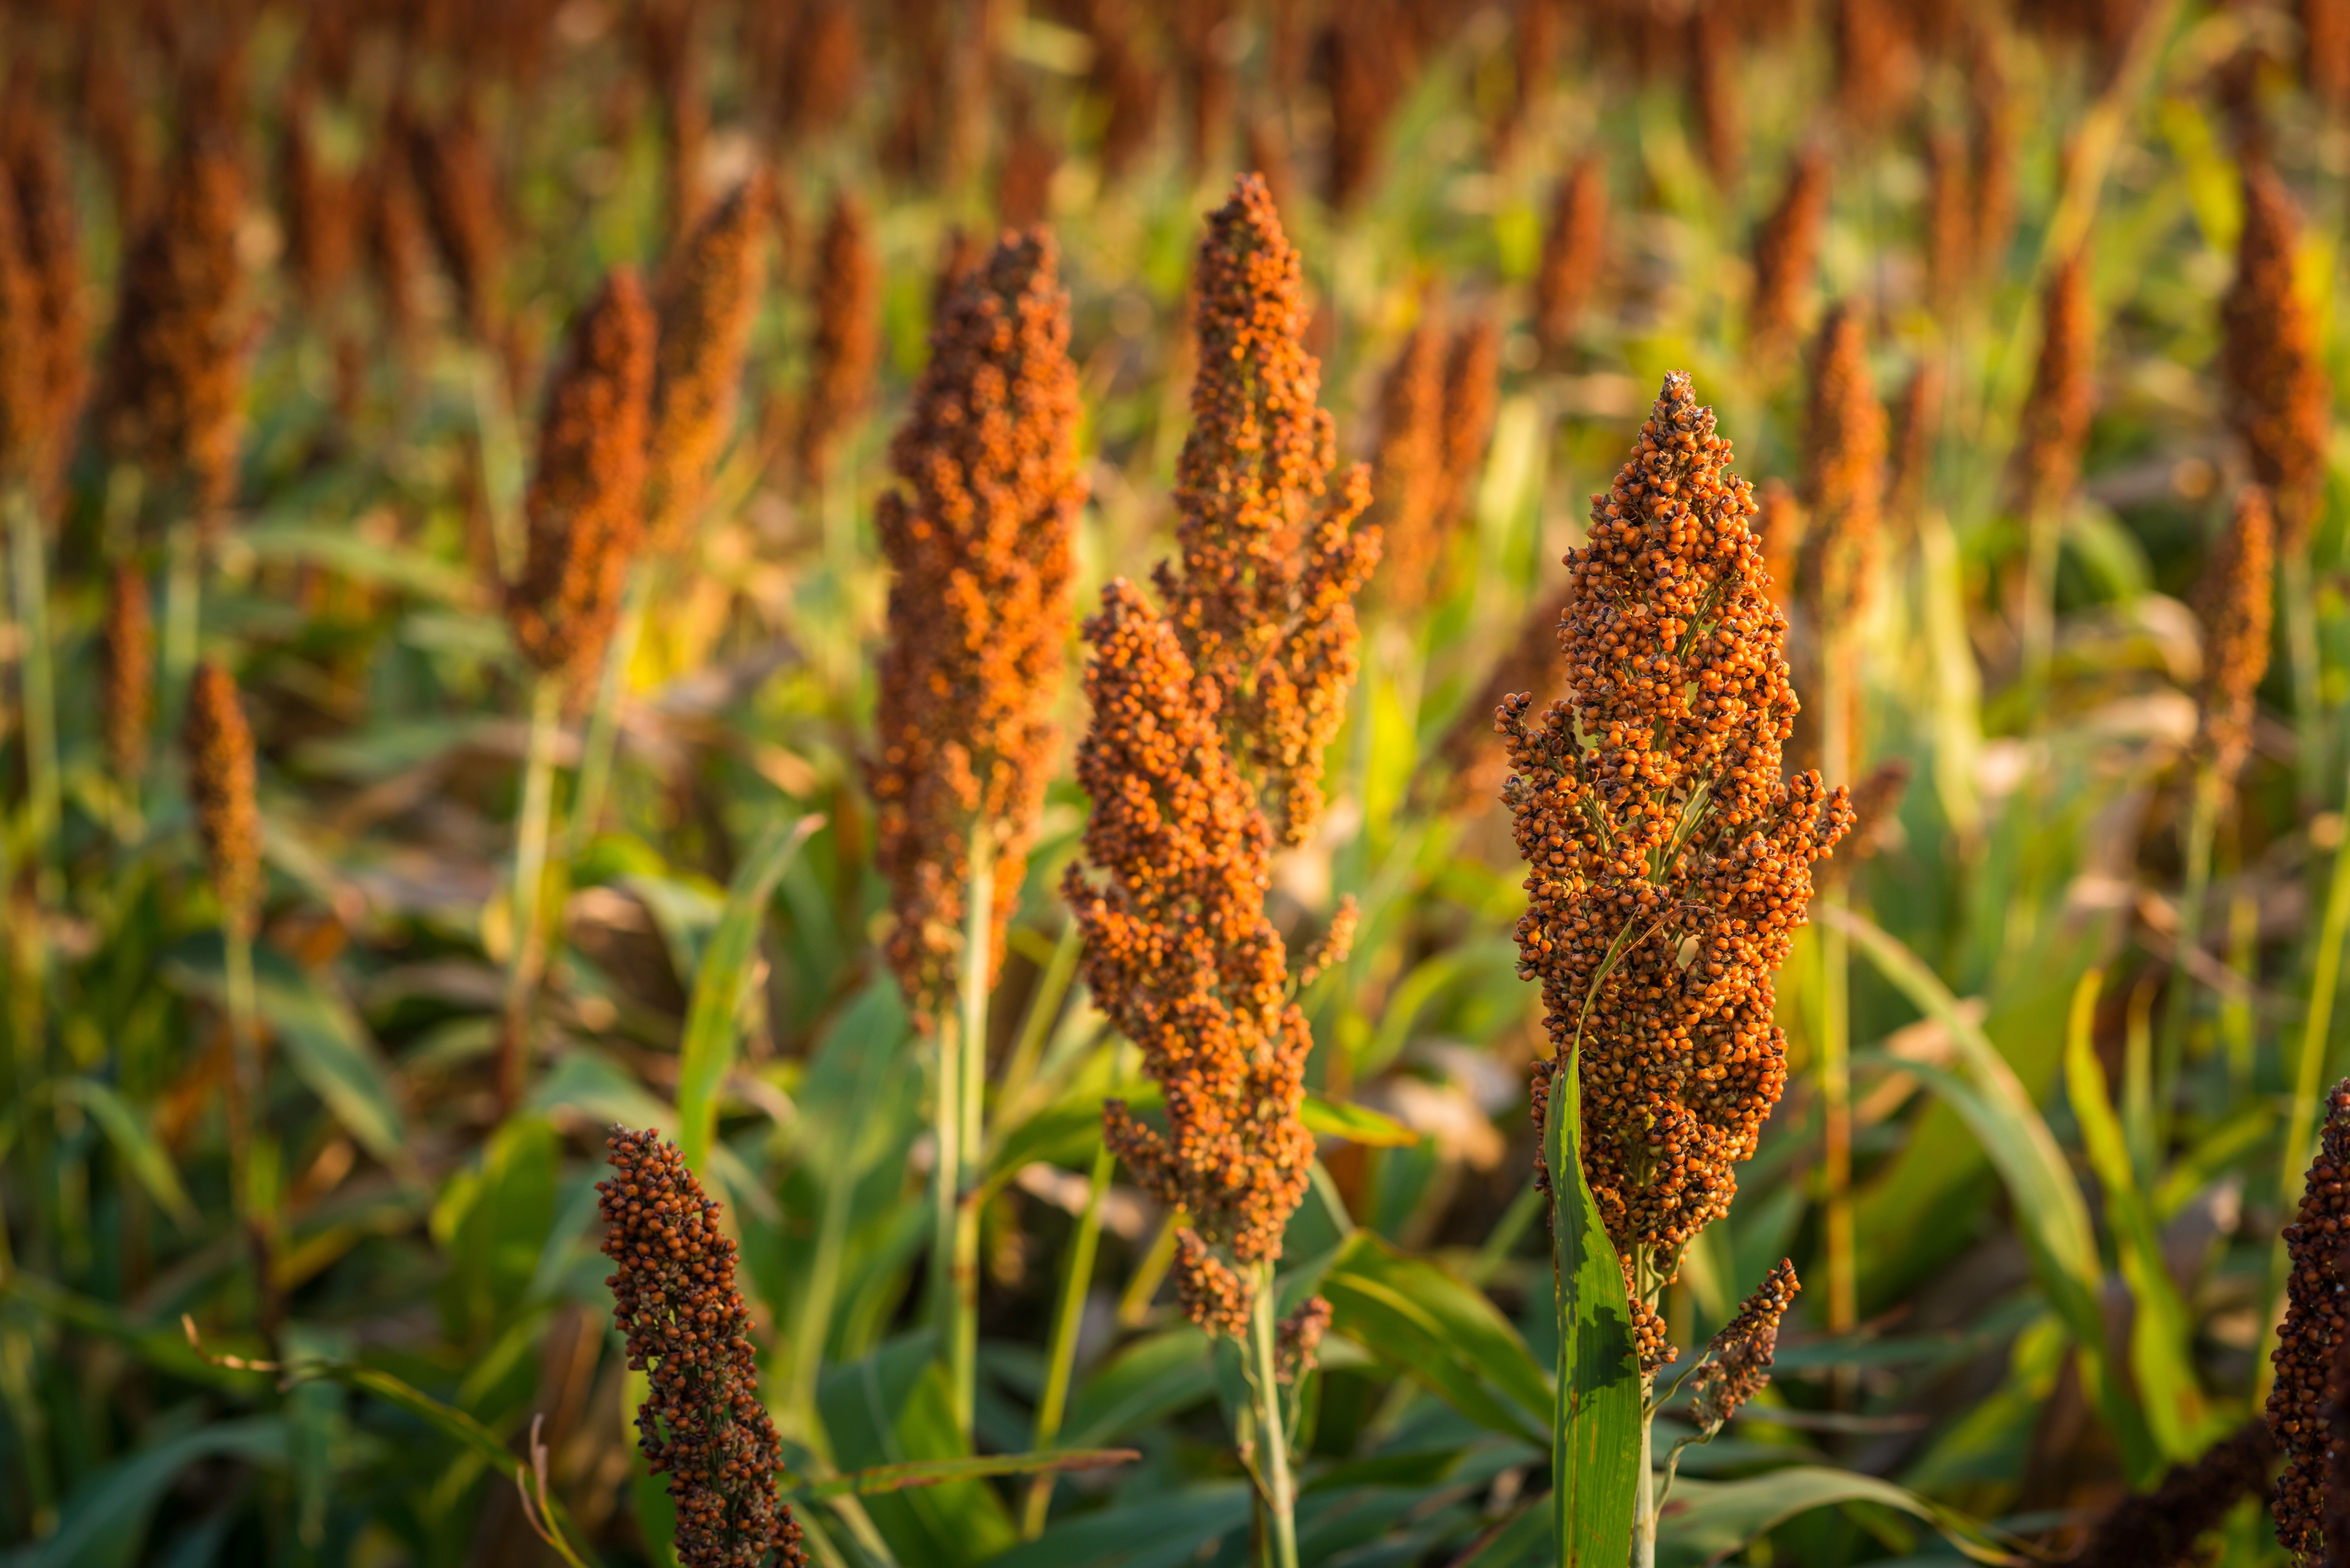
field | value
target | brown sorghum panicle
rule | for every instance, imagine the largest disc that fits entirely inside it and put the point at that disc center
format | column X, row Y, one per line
column 20, row 365
column 1124, row 82
column 220, row 789
column 1990, row 150
column 979, row 538
column 1179, row 955
column 1917, row 424
column 2232, row 598
column 1875, row 66
column 1950, row 210
column 392, row 228
column 1472, row 389
column 1408, row 468
column 2310, row 1340
column 2325, row 49
column 175, row 370
column 1778, row 528
column 459, row 181
column 1368, row 71
column 130, row 659
column 1271, row 557
column 2161, row 1529
column 585, row 509
column 1843, row 471
column 1740, row 1358
column 686, row 1328
column 2277, row 397
column 1024, row 183
column 1876, row 802
column 1196, row 27
column 709, row 300
column 1713, row 93
column 321, row 208
column 847, row 339
column 1573, row 248
column 2054, row 426
column 1532, row 660
column 45, row 230
column 1654, row 821
column 1786, row 253
column 819, row 65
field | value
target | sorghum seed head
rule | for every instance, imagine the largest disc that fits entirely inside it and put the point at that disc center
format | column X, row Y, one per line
column 1574, row 246
column 2232, row 599
column 1406, row 471
column 686, row 1327
column 1739, row 1360
column 979, row 535
column 35, row 161
column 1472, row 370
column 1786, row 253
column 2302, row 1399
column 847, row 339
column 1713, row 93
column 2054, row 427
column 2161, row 1529
column 709, row 300
column 220, row 787
column 1532, row 660
column 1917, row 424
column 459, row 181
column 2277, row 397
column 1843, row 471
column 321, row 207
column 129, row 656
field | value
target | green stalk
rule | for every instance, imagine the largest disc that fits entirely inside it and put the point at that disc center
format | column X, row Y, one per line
column 971, row 1079
column 252, row 1195
column 946, row 1133
column 1060, row 1357
column 603, row 736
column 2202, row 826
column 1043, row 1009
column 2294, row 587
column 526, row 948
column 1643, row 1496
column 1836, row 1021
column 2045, row 534
column 2235, row 1009
column 1273, row 1481
column 183, row 603
column 37, row 689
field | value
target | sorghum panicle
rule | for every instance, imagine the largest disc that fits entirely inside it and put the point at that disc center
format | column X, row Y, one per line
column 584, row 512
column 1875, row 65
column 2310, row 1340
column 708, row 302
column 1407, row 470
column 686, row 1328
column 1917, row 425
column 1024, row 183
column 1472, row 387
column 2232, row 598
column 1779, row 529
column 392, row 227
column 174, row 374
column 2325, row 49
column 1180, row 955
column 1991, row 150
column 37, row 171
column 1573, row 248
column 1950, row 254
column 321, row 208
column 2054, row 427
column 979, row 535
column 459, row 181
column 1271, row 557
column 1844, row 472
column 2161, row 1529
column 1713, row 93
column 128, row 642
column 847, row 339
column 1739, row 1360
column 1532, row 660
column 2277, row 397
column 1786, row 253
column 218, row 744
column 1670, row 864
column 1876, row 805
column 20, row 366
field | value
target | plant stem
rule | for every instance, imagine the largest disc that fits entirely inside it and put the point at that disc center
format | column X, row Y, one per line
column 1043, row 1009
column 246, row 1107
column 35, row 689
column 1644, row 1495
column 182, row 608
column 1273, row 1481
column 946, row 1132
column 2044, row 533
column 1060, row 1357
column 603, row 737
column 1134, row 1301
column 1836, row 1021
column 971, row 976
column 2294, row 587
column 527, row 950
column 2202, row 824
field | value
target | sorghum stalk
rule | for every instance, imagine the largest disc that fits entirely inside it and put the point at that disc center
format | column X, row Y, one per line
column 1844, row 461
column 979, row 532
column 1061, row 1347
column 2235, row 607
column 585, row 517
column 1670, row 864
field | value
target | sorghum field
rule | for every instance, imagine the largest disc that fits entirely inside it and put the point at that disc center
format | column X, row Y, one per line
column 1109, row 783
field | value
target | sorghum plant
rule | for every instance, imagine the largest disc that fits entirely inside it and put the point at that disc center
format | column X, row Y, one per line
column 1573, row 248
column 2302, row 1399
column 1786, row 253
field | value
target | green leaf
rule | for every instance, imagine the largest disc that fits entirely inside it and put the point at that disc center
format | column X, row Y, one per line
column 876, row 1479
column 1146, row 1381
column 2161, row 1333
column 139, row 1153
column 1595, row 1423
column 1419, row 1317
column 501, row 1223
column 1704, row 1522
column 348, row 554
column 892, row 1408
column 719, row 984
column 111, row 1508
column 1162, row 1532
column 1356, row 1123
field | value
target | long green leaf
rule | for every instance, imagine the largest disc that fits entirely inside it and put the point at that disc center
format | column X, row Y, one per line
column 136, row 1147
column 1704, row 1523
column 708, row 1053
column 2161, row 1333
column 878, row 1478
column 111, row 1508
column 1596, row 1422
column 1416, row 1316
column 1356, row 1123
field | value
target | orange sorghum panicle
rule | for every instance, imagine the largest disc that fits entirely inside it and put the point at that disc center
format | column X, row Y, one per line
column 1573, row 247
column 1917, row 425
column 1950, row 210
column 1990, row 150
column 979, row 535
column 45, row 230
column 20, row 366
column 459, row 181
column 1670, row 864
column 847, row 339
column 174, row 372
column 1875, row 66
column 2162, row 1528
column 220, row 789
column 1778, row 526
column 1713, row 93
column 585, row 509
column 1472, row 370
column 1844, row 472
column 1271, row 554
column 709, row 300
column 2232, row 599
column 686, row 1328
column 2277, row 397
column 1407, row 467
column 1179, row 955
column 1531, row 660
column 1787, row 251
column 393, row 232
column 1740, row 1355
column 2054, row 426
column 320, row 206
column 130, row 660
column 2325, row 49
column 2310, row 1340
